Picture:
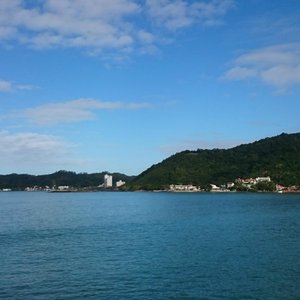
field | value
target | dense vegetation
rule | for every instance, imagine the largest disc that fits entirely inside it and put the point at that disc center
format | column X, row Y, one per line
column 20, row 182
column 277, row 157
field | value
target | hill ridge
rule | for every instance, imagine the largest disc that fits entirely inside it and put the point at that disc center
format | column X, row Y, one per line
column 277, row 157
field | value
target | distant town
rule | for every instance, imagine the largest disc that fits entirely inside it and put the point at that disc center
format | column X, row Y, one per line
column 239, row 185
column 106, row 185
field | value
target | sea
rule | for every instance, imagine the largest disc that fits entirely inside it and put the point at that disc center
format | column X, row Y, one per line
column 147, row 245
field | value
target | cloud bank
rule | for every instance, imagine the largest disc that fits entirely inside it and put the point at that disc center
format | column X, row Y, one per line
column 99, row 25
column 277, row 66
column 23, row 150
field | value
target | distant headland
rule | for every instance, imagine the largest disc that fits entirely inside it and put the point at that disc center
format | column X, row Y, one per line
column 270, row 164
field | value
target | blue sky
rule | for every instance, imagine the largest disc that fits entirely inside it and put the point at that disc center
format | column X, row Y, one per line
column 119, row 85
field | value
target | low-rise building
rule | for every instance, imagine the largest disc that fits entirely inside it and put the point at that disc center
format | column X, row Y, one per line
column 246, row 180
column 263, row 179
column 63, row 187
column 120, row 183
column 184, row 188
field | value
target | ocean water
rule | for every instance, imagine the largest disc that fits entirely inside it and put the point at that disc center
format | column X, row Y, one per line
column 149, row 246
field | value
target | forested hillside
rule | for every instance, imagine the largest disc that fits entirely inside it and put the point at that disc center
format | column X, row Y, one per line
column 277, row 157
column 78, row 180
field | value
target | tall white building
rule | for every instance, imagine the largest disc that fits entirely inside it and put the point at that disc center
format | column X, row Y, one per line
column 108, row 181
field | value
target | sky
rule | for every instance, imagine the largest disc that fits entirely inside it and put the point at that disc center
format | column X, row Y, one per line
column 120, row 85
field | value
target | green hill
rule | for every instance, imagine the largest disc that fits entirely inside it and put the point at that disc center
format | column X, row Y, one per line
column 277, row 157
column 78, row 180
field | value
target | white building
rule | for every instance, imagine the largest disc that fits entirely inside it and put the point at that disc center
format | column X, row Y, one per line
column 263, row 179
column 120, row 183
column 63, row 188
column 215, row 188
column 183, row 188
column 108, row 181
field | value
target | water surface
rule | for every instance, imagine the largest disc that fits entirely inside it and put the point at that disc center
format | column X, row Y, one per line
column 149, row 246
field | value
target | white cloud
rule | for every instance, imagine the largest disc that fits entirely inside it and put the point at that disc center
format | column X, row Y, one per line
column 5, row 86
column 24, row 150
column 181, row 13
column 69, row 23
column 6, row 32
column 240, row 73
column 75, row 110
column 8, row 86
column 277, row 66
column 25, row 87
column 171, row 14
column 99, row 25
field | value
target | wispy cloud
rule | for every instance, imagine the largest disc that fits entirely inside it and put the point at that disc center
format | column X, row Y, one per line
column 277, row 66
column 99, row 25
column 5, row 86
column 181, row 13
column 8, row 86
column 76, row 110
column 27, row 149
